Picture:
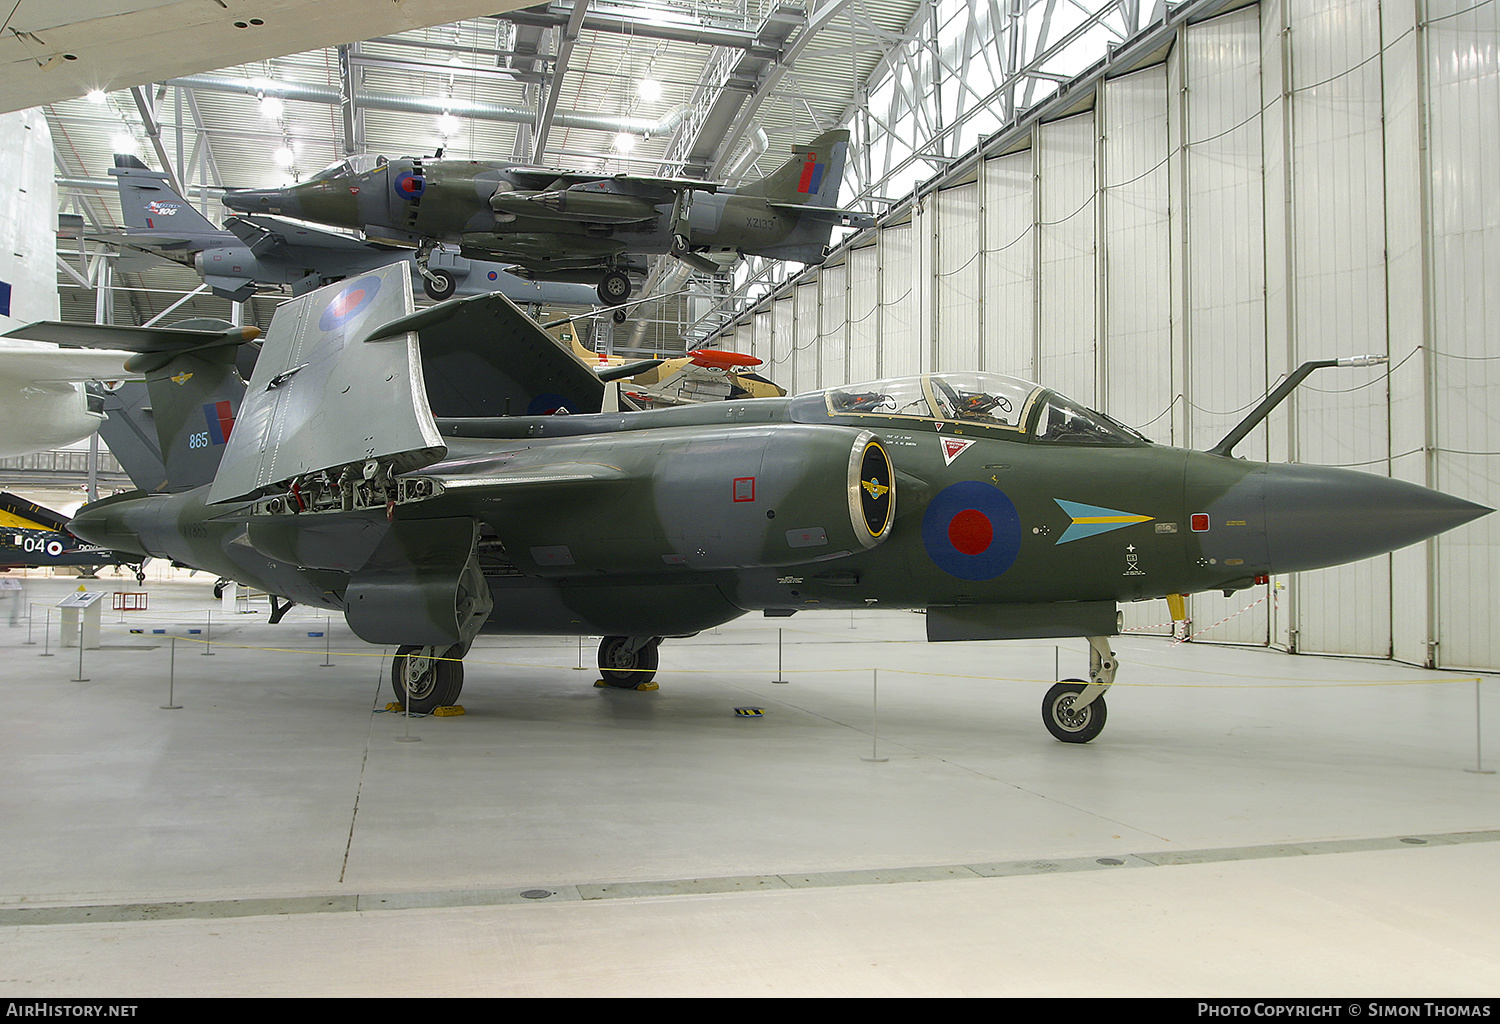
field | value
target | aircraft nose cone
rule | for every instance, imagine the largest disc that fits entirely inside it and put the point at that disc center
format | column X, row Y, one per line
column 251, row 200
column 1317, row 516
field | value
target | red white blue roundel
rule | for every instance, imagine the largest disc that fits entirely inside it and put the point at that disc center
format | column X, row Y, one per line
column 349, row 303
column 971, row 530
column 493, row 276
column 410, row 186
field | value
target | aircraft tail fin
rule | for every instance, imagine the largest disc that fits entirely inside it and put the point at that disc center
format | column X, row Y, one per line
column 154, row 209
column 811, row 177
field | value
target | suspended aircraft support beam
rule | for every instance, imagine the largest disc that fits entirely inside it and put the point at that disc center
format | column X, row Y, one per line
column 153, row 132
column 559, row 70
column 353, row 117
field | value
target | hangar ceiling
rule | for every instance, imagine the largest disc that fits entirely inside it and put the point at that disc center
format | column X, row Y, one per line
column 738, row 84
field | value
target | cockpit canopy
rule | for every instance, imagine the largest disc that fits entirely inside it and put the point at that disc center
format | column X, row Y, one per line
column 1007, row 405
column 348, row 167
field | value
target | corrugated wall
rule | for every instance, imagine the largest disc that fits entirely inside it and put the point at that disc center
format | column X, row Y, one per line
column 1299, row 179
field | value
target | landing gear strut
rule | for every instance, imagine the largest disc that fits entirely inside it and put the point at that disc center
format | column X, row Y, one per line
column 427, row 678
column 629, row 662
column 1073, row 710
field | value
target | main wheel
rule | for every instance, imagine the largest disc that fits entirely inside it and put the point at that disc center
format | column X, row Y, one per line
column 614, row 287
column 439, row 291
column 1066, row 723
column 424, row 679
column 620, row 666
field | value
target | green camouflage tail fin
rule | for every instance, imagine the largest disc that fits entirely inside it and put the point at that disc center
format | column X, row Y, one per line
column 811, row 177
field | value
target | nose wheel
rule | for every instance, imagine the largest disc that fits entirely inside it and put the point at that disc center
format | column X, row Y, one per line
column 1068, row 721
column 1074, row 710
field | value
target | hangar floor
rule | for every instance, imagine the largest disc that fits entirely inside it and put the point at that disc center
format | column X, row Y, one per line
column 1248, row 824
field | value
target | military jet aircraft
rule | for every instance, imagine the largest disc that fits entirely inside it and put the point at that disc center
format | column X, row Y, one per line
column 33, row 535
column 257, row 250
column 571, row 225
column 1001, row 507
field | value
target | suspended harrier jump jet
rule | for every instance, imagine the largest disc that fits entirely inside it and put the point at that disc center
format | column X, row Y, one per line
column 572, row 225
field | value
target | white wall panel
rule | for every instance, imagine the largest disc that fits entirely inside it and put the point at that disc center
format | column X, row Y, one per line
column 900, row 353
column 864, row 320
column 833, row 330
column 1066, row 328
column 956, row 283
column 1225, row 265
column 1337, row 253
column 1137, row 361
column 805, row 325
column 1463, row 75
column 784, row 324
column 1009, row 261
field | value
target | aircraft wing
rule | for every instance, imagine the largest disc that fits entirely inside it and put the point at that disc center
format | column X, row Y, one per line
column 333, row 387
column 272, row 232
column 538, row 178
column 62, row 366
column 842, row 218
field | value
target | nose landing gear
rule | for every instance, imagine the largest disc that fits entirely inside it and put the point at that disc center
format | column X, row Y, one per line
column 1073, row 710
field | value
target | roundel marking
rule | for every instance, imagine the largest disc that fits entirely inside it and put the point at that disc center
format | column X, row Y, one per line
column 493, row 276
column 54, row 548
column 875, row 476
column 356, row 296
column 971, row 530
column 410, row 186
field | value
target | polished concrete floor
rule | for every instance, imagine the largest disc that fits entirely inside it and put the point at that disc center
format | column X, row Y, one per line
column 894, row 821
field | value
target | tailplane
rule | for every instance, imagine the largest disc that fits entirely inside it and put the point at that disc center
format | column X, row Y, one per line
column 193, row 387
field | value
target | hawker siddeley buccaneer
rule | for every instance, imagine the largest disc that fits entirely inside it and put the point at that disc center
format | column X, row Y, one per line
column 572, row 225
column 1000, row 507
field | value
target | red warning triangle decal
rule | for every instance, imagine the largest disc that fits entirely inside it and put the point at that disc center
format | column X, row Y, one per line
column 953, row 447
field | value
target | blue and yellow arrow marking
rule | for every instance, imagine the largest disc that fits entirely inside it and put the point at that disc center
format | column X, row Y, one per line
column 1091, row 520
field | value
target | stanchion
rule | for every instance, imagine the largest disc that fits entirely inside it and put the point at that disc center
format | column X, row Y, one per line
column 327, row 651
column 779, row 672
column 81, row 678
column 1479, row 768
column 29, row 642
column 875, row 718
column 171, row 679
column 208, row 637
column 47, row 636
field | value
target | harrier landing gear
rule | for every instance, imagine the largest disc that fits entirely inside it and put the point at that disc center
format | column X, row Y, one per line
column 629, row 662
column 614, row 287
column 1073, row 710
column 427, row 678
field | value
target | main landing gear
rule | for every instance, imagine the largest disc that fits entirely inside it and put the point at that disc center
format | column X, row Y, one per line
column 629, row 662
column 1073, row 710
column 614, row 287
column 427, row 678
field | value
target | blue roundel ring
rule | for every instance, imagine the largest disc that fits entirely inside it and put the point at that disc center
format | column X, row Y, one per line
column 493, row 276
column 410, row 186
column 353, row 300
column 972, row 530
